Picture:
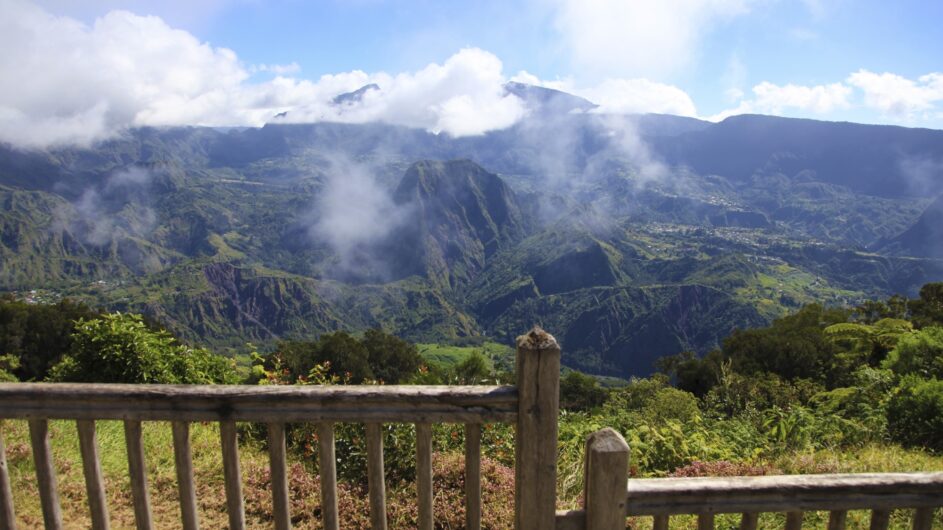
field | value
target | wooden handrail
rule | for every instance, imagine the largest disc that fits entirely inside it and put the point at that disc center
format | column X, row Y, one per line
column 373, row 404
column 531, row 405
column 783, row 493
column 610, row 497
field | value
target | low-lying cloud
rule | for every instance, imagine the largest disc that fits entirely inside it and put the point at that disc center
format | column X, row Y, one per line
column 117, row 207
column 353, row 215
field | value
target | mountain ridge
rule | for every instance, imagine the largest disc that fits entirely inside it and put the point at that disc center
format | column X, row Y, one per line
column 619, row 233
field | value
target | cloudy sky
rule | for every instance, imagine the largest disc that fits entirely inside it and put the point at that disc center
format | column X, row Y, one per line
column 77, row 72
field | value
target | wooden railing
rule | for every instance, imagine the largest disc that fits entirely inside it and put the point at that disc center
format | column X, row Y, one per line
column 532, row 405
column 610, row 497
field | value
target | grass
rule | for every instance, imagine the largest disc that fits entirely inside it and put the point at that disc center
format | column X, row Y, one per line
column 497, row 484
column 446, row 356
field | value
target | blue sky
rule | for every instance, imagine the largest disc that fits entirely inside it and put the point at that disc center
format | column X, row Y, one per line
column 866, row 60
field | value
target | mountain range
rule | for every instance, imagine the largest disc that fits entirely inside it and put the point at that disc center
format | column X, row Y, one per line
column 629, row 237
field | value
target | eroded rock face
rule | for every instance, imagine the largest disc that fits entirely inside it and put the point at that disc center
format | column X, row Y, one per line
column 460, row 215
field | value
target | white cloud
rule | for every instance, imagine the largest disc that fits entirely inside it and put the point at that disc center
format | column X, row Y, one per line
column 463, row 96
column 566, row 85
column 898, row 97
column 277, row 69
column 734, row 78
column 622, row 96
column 769, row 98
column 65, row 82
column 639, row 37
column 628, row 96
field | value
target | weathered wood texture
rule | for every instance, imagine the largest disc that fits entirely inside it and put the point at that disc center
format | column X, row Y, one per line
column 376, row 404
column 570, row 520
column 705, row 521
column 376, row 481
column 836, row 519
column 183, row 461
column 45, row 474
column 91, row 467
column 424, row 474
column 606, row 469
column 880, row 519
column 535, row 469
column 660, row 522
column 232, row 475
column 7, row 515
column 472, row 476
column 137, row 471
column 784, row 493
column 281, row 506
column 923, row 519
column 327, row 465
column 794, row 520
column 748, row 521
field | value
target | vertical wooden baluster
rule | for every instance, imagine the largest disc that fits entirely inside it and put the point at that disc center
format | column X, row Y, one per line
column 660, row 522
column 923, row 519
column 183, row 461
column 375, row 476
column 880, row 519
column 424, row 474
column 281, row 507
column 91, row 467
column 535, row 439
column 605, row 472
column 794, row 520
column 836, row 520
column 45, row 474
column 137, row 470
column 327, row 463
column 7, row 515
column 232, row 475
column 748, row 521
column 705, row 521
column 472, row 476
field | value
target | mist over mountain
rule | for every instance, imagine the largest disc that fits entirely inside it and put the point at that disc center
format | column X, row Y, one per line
column 630, row 236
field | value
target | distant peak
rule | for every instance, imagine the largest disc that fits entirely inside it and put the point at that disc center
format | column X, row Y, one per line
column 349, row 98
column 548, row 99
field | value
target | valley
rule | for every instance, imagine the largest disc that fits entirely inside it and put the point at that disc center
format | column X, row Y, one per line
column 631, row 237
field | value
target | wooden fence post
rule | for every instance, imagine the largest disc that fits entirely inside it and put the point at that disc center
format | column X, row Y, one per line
column 604, row 480
column 535, row 456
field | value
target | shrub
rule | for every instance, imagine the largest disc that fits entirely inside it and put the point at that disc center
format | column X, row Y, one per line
column 8, row 363
column 38, row 335
column 579, row 391
column 918, row 353
column 915, row 413
column 120, row 348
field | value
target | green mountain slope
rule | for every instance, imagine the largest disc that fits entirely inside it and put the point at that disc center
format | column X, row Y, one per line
column 629, row 237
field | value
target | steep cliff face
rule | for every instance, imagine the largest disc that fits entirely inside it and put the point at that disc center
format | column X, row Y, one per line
column 461, row 215
column 925, row 237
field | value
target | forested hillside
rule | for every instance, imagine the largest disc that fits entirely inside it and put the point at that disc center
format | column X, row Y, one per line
column 819, row 390
column 633, row 237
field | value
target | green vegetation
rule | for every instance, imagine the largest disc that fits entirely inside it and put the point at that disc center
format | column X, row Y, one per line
column 377, row 357
column 821, row 390
column 38, row 335
column 119, row 348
